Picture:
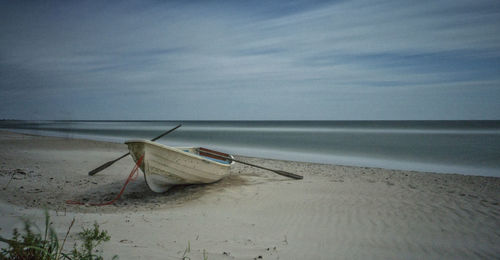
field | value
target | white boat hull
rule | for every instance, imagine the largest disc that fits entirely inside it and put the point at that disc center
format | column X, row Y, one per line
column 165, row 166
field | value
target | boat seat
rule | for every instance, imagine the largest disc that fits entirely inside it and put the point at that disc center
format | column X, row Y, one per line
column 211, row 154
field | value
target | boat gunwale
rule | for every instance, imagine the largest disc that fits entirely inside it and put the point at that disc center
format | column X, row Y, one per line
column 177, row 150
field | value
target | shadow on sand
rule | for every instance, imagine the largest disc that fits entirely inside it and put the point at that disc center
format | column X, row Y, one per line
column 137, row 195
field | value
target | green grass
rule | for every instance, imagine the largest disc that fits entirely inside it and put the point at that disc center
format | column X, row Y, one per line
column 45, row 245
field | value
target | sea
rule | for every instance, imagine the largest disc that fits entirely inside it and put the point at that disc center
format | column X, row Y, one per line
column 462, row 147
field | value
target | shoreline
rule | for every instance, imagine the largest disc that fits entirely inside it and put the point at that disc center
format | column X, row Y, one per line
column 463, row 147
column 345, row 211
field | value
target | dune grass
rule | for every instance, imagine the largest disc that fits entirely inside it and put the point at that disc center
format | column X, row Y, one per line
column 45, row 245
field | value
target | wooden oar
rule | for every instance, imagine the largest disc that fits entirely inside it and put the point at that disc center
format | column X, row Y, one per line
column 219, row 155
column 106, row 165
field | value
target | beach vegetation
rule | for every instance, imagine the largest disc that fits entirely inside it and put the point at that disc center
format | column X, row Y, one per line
column 187, row 251
column 35, row 244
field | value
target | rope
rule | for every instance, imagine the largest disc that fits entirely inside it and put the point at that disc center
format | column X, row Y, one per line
column 133, row 175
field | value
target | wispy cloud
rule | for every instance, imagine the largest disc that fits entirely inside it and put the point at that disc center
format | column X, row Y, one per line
column 270, row 60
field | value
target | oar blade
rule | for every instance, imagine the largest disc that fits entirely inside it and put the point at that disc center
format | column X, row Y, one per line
column 102, row 167
column 289, row 174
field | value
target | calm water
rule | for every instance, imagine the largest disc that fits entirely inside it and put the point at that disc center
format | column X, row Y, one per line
column 468, row 147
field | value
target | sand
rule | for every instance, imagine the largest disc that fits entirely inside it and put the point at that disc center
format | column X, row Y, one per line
column 335, row 212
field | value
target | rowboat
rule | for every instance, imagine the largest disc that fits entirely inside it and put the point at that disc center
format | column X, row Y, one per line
column 164, row 166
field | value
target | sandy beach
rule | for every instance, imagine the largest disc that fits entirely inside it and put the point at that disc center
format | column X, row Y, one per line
column 335, row 212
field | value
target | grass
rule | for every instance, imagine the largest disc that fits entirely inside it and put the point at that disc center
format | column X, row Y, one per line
column 45, row 245
column 188, row 250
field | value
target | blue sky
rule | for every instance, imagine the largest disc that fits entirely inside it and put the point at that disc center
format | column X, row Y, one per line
column 270, row 60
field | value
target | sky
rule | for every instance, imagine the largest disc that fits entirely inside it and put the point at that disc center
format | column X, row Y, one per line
column 250, row 60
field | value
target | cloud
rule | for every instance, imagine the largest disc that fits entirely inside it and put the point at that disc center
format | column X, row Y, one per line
column 280, row 60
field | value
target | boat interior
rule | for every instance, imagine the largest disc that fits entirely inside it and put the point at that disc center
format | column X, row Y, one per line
column 209, row 154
